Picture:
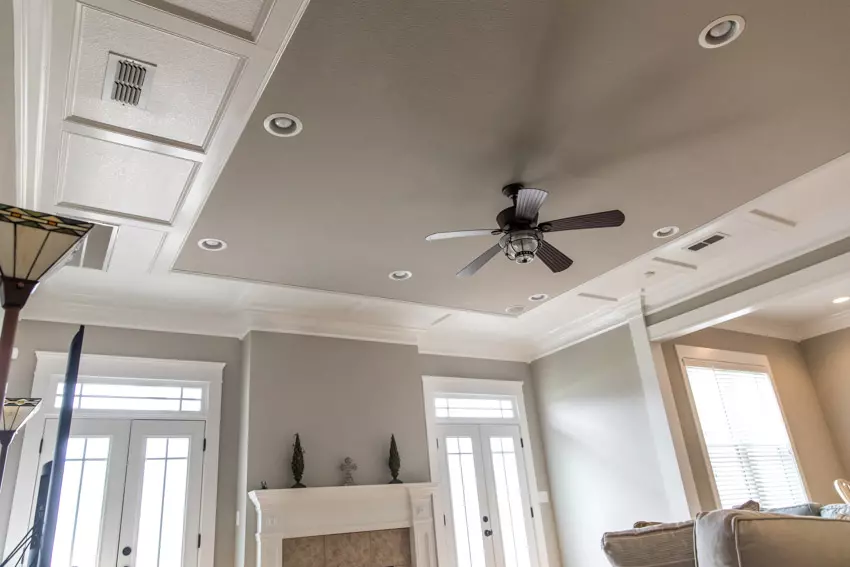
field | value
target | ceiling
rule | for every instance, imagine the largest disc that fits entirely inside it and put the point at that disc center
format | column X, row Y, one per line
column 416, row 113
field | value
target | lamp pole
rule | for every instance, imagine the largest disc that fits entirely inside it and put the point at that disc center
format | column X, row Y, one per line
column 14, row 293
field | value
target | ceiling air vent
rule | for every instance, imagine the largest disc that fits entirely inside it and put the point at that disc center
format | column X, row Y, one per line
column 127, row 81
column 705, row 243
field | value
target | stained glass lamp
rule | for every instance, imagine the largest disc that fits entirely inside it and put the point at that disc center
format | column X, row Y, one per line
column 16, row 412
column 31, row 245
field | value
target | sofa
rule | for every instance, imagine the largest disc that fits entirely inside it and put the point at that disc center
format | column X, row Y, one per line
column 809, row 535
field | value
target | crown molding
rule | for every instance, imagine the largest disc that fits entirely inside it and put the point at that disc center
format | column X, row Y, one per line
column 825, row 325
column 753, row 325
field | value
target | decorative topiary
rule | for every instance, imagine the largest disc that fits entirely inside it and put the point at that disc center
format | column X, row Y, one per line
column 394, row 461
column 297, row 462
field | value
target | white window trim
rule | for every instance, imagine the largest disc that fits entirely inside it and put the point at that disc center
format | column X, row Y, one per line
column 738, row 359
column 432, row 386
column 50, row 365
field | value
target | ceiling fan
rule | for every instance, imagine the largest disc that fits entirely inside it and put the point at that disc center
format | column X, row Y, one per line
column 522, row 236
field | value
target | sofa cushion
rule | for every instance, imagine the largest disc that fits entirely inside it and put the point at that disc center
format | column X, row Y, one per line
column 667, row 545
column 807, row 509
column 733, row 538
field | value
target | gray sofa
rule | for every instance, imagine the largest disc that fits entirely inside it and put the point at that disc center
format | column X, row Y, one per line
column 802, row 536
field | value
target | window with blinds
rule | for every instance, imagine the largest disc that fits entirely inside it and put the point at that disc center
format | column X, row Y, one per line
column 745, row 435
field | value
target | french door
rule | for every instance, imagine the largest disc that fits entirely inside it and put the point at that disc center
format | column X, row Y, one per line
column 131, row 493
column 484, row 483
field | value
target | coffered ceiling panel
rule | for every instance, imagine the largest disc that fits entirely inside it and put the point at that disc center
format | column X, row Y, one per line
column 120, row 179
column 416, row 113
column 242, row 14
column 186, row 90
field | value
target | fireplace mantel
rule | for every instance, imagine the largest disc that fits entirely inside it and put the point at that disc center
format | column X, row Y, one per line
column 303, row 512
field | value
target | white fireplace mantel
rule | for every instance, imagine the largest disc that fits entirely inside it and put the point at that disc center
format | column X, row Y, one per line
column 303, row 512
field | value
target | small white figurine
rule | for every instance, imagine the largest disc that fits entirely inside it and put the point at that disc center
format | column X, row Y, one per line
column 348, row 466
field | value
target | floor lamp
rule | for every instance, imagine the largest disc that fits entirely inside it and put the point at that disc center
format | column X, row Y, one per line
column 32, row 245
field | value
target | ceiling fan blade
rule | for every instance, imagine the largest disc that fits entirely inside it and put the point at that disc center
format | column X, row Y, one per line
column 604, row 219
column 554, row 259
column 528, row 203
column 479, row 262
column 462, row 233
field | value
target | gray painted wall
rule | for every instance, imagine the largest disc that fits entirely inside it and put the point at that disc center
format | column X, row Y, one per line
column 345, row 398
column 33, row 335
column 828, row 358
column 603, row 468
column 795, row 390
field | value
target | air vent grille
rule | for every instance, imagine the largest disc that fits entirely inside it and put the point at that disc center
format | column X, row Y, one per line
column 127, row 81
column 706, row 242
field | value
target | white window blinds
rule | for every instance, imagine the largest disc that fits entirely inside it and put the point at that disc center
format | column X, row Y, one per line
column 748, row 445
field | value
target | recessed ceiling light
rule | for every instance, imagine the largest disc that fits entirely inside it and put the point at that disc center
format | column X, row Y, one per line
column 666, row 232
column 538, row 297
column 282, row 125
column 721, row 31
column 842, row 299
column 400, row 275
column 515, row 310
column 212, row 244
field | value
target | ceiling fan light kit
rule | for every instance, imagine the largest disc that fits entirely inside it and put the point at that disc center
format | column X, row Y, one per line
column 522, row 237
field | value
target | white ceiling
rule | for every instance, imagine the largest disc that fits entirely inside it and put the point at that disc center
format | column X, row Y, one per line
column 150, row 174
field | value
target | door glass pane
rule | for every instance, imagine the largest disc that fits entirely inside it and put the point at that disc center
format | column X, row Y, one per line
column 81, row 502
column 163, row 504
column 129, row 397
column 466, row 512
column 509, row 502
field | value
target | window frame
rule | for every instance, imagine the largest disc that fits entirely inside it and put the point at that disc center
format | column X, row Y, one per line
column 50, row 369
column 734, row 360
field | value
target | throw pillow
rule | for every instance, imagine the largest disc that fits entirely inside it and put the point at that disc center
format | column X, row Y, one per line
column 808, row 509
column 835, row 511
column 670, row 545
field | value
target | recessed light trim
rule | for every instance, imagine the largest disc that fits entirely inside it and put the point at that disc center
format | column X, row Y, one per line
column 537, row 297
column 212, row 244
column 722, row 31
column 283, row 125
column 515, row 310
column 666, row 232
column 400, row 275
column 842, row 299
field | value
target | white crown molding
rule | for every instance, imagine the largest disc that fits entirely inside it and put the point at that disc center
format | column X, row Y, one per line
column 753, row 325
column 825, row 325
column 591, row 325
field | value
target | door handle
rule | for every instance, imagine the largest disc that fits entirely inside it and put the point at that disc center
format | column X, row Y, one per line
column 488, row 533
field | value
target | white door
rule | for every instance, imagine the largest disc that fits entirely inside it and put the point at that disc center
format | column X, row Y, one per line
column 490, row 521
column 130, row 494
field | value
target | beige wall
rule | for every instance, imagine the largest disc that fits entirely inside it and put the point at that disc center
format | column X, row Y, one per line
column 807, row 427
column 56, row 337
column 602, row 461
column 828, row 358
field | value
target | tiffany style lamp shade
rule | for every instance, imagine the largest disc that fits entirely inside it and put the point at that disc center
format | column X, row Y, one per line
column 16, row 412
column 31, row 245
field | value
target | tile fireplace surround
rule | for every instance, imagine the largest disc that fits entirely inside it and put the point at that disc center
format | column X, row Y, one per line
column 346, row 526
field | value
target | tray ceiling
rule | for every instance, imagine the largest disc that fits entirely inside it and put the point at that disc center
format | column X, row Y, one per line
column 416, row 113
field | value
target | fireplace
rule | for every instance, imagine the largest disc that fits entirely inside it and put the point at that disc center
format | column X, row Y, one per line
column 346, row 526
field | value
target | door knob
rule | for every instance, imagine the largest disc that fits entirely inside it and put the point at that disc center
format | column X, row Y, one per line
column 488, row 533
column 126, row 551
column 485, row 519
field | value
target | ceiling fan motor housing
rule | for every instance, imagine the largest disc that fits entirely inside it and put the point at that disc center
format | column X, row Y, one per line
column 521, row 246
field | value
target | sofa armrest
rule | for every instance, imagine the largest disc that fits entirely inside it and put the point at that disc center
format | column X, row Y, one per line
column 736, row 538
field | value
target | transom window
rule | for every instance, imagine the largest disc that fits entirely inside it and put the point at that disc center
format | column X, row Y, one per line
column 474, row 407
column 133, row 397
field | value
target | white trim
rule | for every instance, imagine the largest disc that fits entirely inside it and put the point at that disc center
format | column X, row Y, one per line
column 736, row 359
column 667, row 435
column 750, row 300
column 433, row 385
column 825, row 325
column 765, row 328
column 52, row 364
